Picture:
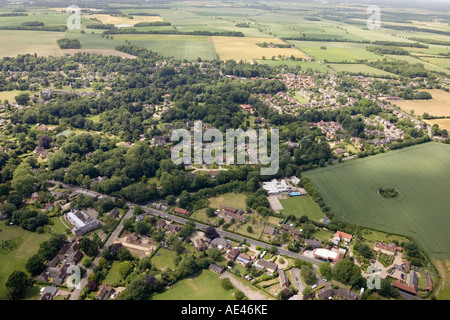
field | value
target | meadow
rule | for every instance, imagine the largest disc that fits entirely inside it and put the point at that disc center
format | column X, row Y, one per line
column 356, row 68
column 26, row 244
column 177, row 46
column 305, row 65
column 40, row 42
column 336, row 54
column 439, row 105
column 420, row 173
column 108, row 19
column 204, row 286
column 302, row 206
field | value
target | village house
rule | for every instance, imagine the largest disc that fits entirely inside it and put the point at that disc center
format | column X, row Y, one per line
column 390, row 249
column 104, row 292
column 220, row 243
column 181, row 211
column 328, row 255
column 233, row 253
column 244, row 259
column 200, row 244
column 268, row 266
column 341, row 236
column 214, row 267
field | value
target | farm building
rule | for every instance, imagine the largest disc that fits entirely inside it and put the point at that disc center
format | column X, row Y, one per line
column 328, row 255
column 274, row 187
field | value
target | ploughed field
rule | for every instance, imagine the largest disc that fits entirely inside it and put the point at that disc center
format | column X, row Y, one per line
column 420, row 174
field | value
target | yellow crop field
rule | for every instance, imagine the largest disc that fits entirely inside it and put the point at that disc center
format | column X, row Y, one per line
column 443, row 123
column 107, row 19
column 245, row 48
column 438, row 106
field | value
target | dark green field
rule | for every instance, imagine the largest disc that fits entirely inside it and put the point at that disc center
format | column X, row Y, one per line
column 421, row 174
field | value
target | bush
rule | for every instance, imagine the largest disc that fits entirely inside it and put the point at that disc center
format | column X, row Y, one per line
column 226, row 284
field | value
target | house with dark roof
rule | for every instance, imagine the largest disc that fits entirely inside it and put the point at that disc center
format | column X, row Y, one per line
column 216, row 268
column 244, row 259
column 268, row 266
column 233, row 253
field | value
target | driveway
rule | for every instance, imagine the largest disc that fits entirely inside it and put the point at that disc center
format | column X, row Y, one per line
column 252, row 294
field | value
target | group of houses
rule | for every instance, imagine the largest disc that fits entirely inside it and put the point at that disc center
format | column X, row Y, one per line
column 229, row 213
column 245, row 260
column 82, row 223
column 62, row 264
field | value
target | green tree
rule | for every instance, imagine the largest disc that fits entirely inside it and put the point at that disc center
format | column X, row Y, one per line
column 125, row 268
column 35, row 265
column 308, row 275
column 16, row 285
column 346, row 271
column 22, row 98
column 325, row 270
column 23, row 180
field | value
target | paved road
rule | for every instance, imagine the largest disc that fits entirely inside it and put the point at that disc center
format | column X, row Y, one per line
column 76, row 293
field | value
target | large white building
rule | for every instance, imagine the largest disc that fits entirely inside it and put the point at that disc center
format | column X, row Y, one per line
column 276, row 187
column 82, row 223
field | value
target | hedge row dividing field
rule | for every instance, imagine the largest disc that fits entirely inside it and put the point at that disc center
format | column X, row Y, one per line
column 420, row 173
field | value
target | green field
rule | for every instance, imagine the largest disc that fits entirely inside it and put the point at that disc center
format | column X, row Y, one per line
column 420, row 173
column 206, row 286
column 164, row 260
column 426, row 65
column 40, row 42
column 305, row 65
column 302, row 206
column 113, row 277
column 177, row 46
column 25, row 244
column 356, row 68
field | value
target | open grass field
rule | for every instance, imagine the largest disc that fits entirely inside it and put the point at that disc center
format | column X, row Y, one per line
column 335, row 54
column 243, row 48
column 108, row 19
column 177, row 46
column 420, row 173
column 443, row 123
column 357, row 68
column 10, row 95
column 164, row 260
column 113, row 277
column 439, row 105
column 205, row 286
column 305, row 65
column 25, row 244
column 426, row 65
column 302, row 206
column 442, row 62
column 40, row 42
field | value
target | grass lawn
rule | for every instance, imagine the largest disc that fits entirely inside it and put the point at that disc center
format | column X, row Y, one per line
column 113, row 276
column 302, row 206
column 420, row 173
column 164, row 260
column 205, row 286
column 57, row 225
column 26, row 244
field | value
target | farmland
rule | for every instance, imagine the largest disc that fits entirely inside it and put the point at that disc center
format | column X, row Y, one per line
column 442, row 123
column 420, row 173
column 180, row 47
column 246, row 49
column 439, row 105
column 357, row 68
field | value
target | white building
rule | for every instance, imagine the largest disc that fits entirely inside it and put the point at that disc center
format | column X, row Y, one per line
column 276, row 187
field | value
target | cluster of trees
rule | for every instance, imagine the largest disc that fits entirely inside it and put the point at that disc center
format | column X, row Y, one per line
column 69, row 43
column 153, row 24
column 402, row 68
column 116, row 30
column 35, row 25
column 387, row 50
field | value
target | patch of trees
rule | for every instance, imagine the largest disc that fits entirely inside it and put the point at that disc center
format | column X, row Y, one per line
column 153, row 24
column 13, row 14
column 401, row 44
column 100, row 26
column 37, row 26
column 387, row 50
column 242, row 25
column 69, row 43
column 409, row 94
column 402, row 68
column 274, row 45
column 116, row 30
